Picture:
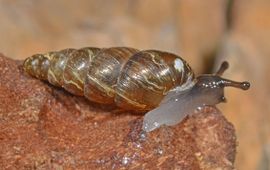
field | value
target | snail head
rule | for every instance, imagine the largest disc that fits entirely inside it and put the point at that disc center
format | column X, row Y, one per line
column 212, row 85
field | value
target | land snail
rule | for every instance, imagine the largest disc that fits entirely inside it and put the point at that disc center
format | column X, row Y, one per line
column 159, row 82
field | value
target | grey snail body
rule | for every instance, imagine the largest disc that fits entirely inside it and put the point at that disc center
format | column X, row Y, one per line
column 133, row 80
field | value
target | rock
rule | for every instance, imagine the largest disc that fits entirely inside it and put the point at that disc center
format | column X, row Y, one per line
column 44, row 127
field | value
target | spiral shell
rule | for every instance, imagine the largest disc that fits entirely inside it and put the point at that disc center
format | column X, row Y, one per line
column 132, row 79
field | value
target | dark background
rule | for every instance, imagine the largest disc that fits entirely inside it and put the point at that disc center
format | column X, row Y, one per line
column 203, row 32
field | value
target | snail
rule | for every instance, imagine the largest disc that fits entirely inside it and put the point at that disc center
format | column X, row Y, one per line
column 159, row 82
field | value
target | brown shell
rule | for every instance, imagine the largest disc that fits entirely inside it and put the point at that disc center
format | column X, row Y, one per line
column 132, row 79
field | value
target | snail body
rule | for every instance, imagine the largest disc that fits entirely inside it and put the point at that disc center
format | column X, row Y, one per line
column 134, row 80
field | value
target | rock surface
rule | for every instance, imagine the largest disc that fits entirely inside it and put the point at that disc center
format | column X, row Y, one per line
column 43, row 127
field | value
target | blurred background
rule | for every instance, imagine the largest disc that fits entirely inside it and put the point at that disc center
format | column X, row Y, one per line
column 203, row 32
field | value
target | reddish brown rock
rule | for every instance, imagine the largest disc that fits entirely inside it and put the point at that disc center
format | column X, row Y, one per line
column 43, row 127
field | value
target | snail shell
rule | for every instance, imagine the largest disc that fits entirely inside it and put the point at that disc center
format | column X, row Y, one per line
column 134, row 80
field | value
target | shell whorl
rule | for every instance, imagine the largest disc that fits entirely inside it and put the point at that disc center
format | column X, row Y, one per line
column 148, row 76
column 132, row 79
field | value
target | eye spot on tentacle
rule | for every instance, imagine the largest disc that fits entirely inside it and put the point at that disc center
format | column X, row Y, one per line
column 178, row 64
